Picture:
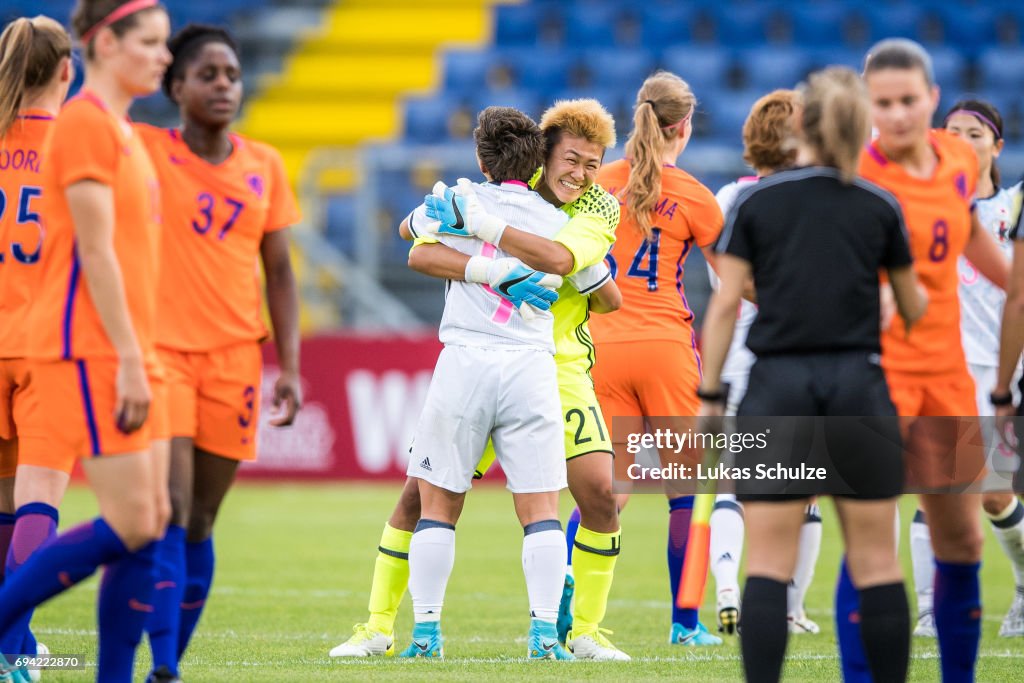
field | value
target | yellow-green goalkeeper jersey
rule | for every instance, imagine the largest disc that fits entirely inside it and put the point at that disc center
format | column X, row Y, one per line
column 589, row 235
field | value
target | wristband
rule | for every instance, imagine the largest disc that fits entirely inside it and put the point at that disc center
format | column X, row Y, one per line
column 476, row 269
column 1003, row 399
column 713, row 396
column 490, row 228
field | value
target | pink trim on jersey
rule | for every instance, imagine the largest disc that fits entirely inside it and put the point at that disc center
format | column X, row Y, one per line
column 748, row 178
column 504, row 312
column 520, row 183
column 876, row 155
column 686, row 306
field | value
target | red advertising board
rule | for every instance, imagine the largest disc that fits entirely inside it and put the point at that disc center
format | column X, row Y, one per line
column 363, row 396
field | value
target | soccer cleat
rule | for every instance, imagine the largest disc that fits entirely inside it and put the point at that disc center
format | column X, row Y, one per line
column 542, row 642
column 1013, row 623
column 697, row 637
column 728, row 611
column 596, row 646
column 426, row 641
column 162, row 674
column 925, row 625
column 564, row 623
column 365, row 643
column 13, row 674
column 36, row 675
column 799, row 623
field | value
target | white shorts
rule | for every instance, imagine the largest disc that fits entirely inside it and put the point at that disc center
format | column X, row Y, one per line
column 1001, row 460
column 476, row 394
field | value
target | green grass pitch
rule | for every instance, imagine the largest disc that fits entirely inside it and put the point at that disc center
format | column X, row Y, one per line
column 293, row 573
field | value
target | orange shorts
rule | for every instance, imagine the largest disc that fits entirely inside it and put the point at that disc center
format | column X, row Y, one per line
column 14, row 382
column 647, row 379
column 943, row 444
column 71, row 413
column 215, row 397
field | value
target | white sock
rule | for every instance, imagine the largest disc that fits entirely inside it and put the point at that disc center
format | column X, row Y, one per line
column 923, row 559
column 431, row 557
column 806, row 559
column 726, row 542
column 544, row 567
column 1008, row 527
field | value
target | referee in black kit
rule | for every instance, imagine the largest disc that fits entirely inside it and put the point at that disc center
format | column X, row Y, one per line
column 814, row 239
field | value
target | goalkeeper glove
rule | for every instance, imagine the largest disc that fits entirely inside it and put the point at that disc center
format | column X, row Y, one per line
column 460, row 213
column 529, row 290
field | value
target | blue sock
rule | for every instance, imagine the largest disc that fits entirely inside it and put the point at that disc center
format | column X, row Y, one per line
column 680, row 512
column 852, row 659
column 162, row 625
column 199, row 560
column 125, row 602
column 36, row 525
column 957, row 619
column 570, row 532
column 68, row 559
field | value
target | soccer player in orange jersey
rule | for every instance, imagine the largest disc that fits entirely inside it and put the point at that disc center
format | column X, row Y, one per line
column 650, row 366
column 34, row 79
column 934, row 175
column 96, row 383
column 227, row 204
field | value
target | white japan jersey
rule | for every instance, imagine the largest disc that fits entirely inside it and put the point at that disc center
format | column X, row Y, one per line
column 981, row 302
column 474, row 315
column 740, row 358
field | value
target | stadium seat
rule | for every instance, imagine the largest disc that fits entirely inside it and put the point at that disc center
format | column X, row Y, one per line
column 728, row 112
column 542, row 70
column 818, row 24
column 466, row 70
column 340, row 222
column 704, row 68
column 591, row 24
column 968, row 27
column 949, row 66
column 610, row 68
column 741, row 25
column 517, row 25
column 767, row 68
column 525, row 101
column 886, row 21
column 1001, row 68
column 663, row 25
column 426, row 118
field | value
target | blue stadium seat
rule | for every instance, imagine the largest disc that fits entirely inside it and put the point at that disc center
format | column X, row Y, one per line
column 818, row 24
column 517, row 24
column 591, row 24
column 542, row 70
column 837, row 56
column 729, row 111
column 664, row 25
column 744, row 24
column 1002, row 68
column 767, row 68
column 968, row 27
column 704, row 68
column 949, row 66
column 901, row 20
column 525, row 101
column 426, row 118
column 625, row 69
column 466, row 70
column 340, row 222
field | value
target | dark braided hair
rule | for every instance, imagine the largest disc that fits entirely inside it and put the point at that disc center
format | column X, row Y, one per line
column 186, row 44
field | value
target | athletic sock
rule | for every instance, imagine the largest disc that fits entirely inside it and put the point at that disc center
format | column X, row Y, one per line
column 36, row 524
column 169, row 589
column 885, row 631
column 726, row 542
column 763, row 640
column 431, row 558
column 543, row 550
column 923, row 560
column 852, row 660
column 199, row 565
column 7, row 522
column 957, row 619
column 680, row 513
column 125, row 603
column 596, row 555
column 1008, row 527
column 807, row 558
column 390, row 579
column 571, row 528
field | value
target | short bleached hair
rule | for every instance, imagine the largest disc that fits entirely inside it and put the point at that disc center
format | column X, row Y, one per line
column 586, row 118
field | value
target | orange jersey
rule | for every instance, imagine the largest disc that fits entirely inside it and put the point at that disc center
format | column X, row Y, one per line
column 215, row 217
column 650, row 273
column 90, row 143
column 938, row 218
column 22, row 152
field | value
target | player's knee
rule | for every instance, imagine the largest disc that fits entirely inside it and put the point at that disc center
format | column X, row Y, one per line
column 961, row 546
column 996, row 503
column 200, row 522
column 180, row 505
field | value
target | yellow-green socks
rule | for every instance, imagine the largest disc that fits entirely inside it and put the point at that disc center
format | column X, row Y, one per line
column 593, row 565
column 390, row 579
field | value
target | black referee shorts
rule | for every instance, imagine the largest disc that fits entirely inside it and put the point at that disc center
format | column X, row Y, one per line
column 822, row 410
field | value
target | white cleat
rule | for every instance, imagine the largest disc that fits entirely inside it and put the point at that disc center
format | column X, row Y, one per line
column 1013, row 623
column 799, row 623
column 925, row 625
column 365, row 643
column 595, row 646
column 36, row 675
column 728, row 611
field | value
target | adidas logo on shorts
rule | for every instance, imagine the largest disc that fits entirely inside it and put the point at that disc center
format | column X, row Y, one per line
column 425, row 464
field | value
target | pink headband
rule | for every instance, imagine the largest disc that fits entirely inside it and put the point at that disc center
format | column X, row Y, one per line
column 980, row 117
column 117, row 15
column 679, row 122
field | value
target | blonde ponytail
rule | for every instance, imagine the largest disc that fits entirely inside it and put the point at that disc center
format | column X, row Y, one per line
column 836, row 119
column 30, row 51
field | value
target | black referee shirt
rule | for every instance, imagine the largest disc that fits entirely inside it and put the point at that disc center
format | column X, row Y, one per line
column 816, row 247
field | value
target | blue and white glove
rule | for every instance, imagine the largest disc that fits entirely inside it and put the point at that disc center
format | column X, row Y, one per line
column 460, row 213
column 529, row 290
